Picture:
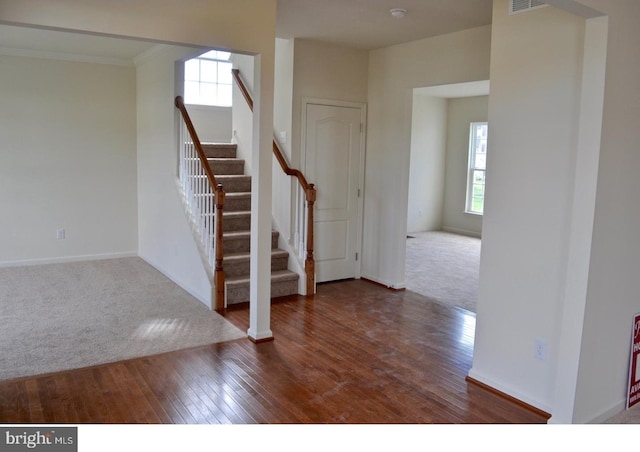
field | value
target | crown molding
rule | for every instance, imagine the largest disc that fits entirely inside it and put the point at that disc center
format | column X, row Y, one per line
column 10, row 51
column 141, row 57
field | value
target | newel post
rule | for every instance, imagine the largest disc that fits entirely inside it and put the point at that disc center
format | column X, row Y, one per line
column 309, row 263
column 218, row 276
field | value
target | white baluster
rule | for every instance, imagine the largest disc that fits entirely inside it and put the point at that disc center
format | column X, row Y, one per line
column 198, row 192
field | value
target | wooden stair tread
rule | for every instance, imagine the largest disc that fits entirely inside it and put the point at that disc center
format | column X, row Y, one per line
column 232, row 176
column 235, row 234
column 276, row 276
column 217, row 144
column 225, row 159
column 242, row 256
column 237, row 214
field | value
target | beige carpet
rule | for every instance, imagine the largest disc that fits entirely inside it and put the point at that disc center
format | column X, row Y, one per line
column 444, row 267
column 630, row 416
column 65, row 316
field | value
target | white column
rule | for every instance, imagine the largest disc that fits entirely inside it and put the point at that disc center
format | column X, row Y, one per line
column 261, row 200
column 582, row 220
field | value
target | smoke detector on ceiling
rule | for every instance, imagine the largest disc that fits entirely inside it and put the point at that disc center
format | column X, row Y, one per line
column 398, row 13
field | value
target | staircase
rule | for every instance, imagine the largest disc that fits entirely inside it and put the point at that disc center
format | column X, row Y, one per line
column 229, row 171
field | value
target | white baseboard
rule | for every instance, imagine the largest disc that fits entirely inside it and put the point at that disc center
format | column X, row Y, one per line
column 398, row 286
column 602, row 417
column 202, row 299
column 67, row 259
column 608, row 414
column 95, row 257
column 509, row 391
column 462, row 232
column 259, row 336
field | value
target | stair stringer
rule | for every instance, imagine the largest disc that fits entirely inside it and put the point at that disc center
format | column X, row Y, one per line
column 200, row 245
column 294, row 263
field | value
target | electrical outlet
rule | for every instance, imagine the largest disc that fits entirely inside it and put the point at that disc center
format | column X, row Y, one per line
column 540, row 349
column 60, row 234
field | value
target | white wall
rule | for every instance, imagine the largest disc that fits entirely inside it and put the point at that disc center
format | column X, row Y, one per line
column 593, row 321
column 461, row 112
column 212, row 124
column 427, row 165
column 613, row 288
column 219, row 24
column 67, row 160
column 307, row 69
column 393, row 74
column 565, row 409
column 282, row 125
column 536, row 74
column 165, row 238
column 283, row 98
column 324, row 71
column 241, row 115
column 285, row 187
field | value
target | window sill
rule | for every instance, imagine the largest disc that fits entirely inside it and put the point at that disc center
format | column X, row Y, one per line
column 207, row 107
column 473, row 213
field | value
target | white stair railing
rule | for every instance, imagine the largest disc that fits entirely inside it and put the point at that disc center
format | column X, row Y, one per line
column 200, row 198
column 309, row 192
column 204, row 201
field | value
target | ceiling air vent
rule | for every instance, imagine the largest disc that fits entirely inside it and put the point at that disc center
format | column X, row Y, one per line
column 520, row 6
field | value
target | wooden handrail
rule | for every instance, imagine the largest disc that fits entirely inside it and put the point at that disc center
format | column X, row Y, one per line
column 309, row 190
column 287, row 169
column 218, row 190
column 243, row 88
column 276, row 149
column 196, row 142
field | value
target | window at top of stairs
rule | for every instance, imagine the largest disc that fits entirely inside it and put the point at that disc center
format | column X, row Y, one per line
column 207, row 79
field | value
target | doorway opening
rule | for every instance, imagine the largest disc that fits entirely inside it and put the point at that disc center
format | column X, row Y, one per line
column 442, row 258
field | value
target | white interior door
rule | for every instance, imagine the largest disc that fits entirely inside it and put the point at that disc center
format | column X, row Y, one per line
column 333, row 162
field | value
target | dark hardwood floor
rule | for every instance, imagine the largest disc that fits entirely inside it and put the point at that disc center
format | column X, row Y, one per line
column 355, row 353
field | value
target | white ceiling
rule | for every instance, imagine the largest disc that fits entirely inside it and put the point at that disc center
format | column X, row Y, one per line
column 43, row 43
column 367, row 24
column 363, row 24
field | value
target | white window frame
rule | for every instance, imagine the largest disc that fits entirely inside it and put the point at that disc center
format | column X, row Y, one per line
column 472, row 168
column 212, row 57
